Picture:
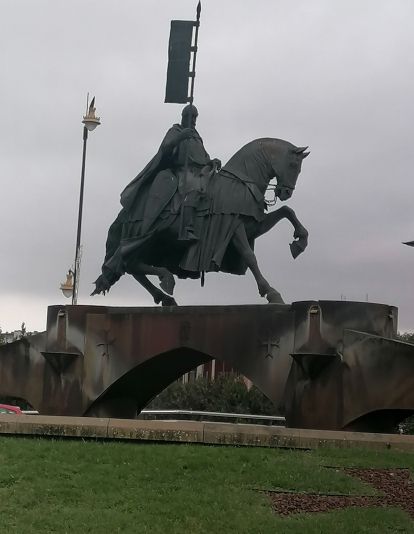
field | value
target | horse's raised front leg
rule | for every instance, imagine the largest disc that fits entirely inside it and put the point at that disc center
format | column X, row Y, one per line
column 300, row 235
column 157, row 294
column 242, row 246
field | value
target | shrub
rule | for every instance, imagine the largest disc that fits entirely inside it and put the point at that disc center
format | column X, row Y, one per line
column 228, row 393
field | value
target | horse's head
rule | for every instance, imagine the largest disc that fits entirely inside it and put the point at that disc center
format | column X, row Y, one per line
column 287, row 165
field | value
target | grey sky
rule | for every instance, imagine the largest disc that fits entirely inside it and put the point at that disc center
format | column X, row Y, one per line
column 337, row 76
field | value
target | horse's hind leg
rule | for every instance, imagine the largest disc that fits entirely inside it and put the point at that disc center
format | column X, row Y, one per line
column 157, row 294
column 242, row 246
column 167, row 282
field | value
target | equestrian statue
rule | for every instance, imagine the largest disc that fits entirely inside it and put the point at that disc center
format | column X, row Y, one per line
column 186, row 215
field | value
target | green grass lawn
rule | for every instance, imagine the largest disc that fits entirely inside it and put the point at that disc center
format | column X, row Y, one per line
column 87, row 487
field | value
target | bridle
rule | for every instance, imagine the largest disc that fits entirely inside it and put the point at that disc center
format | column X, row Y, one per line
column 272, row 189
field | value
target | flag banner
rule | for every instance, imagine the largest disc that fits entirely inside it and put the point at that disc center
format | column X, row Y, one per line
column 179, row 54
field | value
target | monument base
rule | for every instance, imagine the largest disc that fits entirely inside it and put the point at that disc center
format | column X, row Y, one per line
column 325, row 364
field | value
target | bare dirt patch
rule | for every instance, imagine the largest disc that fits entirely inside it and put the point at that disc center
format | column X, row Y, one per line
column 395, row 485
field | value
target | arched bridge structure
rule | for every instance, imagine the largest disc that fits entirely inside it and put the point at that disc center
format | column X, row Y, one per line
column 324, row 364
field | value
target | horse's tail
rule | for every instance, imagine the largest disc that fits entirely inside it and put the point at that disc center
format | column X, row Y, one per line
column 112, row 268
column 114, row 237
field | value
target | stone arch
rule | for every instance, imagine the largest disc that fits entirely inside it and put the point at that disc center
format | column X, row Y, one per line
column 137, row 387
column 384, row 421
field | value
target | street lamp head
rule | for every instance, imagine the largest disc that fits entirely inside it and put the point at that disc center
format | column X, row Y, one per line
column 90, row 120
column 91, row 124
column 409, row 243
column 67, row 287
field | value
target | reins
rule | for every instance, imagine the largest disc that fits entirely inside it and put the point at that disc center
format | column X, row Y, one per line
column 270, row 187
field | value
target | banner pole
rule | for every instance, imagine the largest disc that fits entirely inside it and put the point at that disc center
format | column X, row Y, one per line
column 191, row 99
column 195, row 49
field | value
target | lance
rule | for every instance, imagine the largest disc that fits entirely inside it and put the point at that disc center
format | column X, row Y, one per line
column 180, row 49
column 191, row 99
column 194, row 49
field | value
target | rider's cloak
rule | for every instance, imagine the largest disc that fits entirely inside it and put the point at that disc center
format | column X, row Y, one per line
column 144, row 200
column 130, row 196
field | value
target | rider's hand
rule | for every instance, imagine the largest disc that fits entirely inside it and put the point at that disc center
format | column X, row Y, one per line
column 216, row 163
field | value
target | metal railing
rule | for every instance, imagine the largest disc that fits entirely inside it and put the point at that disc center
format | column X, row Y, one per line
column 223, row 416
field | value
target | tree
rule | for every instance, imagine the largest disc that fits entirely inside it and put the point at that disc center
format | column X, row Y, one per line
column 408, row 337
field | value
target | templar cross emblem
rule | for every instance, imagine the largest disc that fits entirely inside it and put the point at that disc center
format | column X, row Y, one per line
column 107, row 343
column 270, row 345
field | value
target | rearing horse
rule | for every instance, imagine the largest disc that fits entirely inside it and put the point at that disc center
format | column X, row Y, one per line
column 230, row 216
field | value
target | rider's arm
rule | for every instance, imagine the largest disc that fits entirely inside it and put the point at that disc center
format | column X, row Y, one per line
column 174, row 137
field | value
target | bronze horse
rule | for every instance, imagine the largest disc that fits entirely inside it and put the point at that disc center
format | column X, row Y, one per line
column 231, row 214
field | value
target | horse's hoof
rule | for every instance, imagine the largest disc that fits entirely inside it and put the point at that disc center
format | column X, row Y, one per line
column 297, row 247
column 167, row 283
column 165, row 300
column 274, row 297
column 168, row 301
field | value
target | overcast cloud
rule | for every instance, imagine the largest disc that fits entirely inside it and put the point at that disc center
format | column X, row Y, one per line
column 337, row 76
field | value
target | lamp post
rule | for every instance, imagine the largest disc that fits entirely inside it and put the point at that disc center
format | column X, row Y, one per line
column 90, row 122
